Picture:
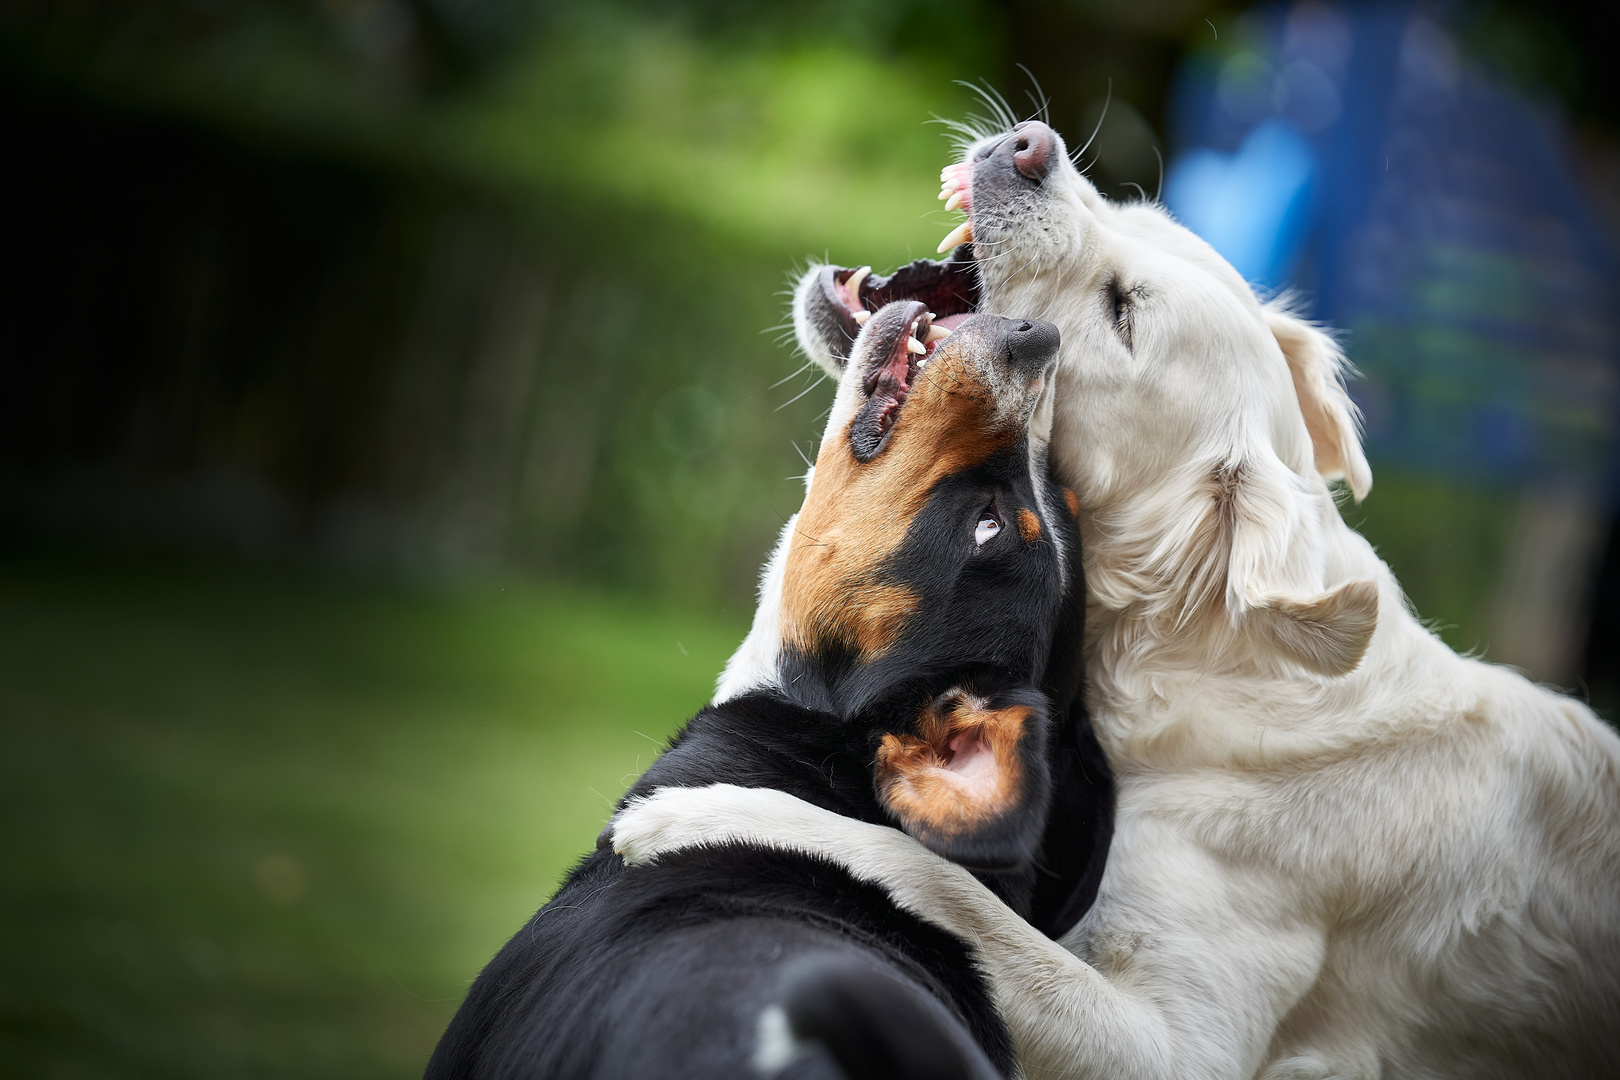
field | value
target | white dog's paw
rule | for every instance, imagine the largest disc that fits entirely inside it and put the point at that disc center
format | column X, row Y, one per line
column 646, row 828
column 672, row 818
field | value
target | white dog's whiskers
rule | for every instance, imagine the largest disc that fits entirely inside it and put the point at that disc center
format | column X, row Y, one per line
column 1108, row 99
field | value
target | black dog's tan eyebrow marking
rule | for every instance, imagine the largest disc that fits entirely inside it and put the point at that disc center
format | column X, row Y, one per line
column 857, row 514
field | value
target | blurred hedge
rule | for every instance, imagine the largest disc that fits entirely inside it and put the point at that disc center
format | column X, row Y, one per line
column 352, row 281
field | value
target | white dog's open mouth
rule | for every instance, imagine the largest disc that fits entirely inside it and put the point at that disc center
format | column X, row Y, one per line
column 844, row 298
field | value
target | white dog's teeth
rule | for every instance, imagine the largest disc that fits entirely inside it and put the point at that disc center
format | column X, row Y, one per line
column 853, row 285
column 937, row 333
column 861, row 317
column 959, row 235
column 956, row 200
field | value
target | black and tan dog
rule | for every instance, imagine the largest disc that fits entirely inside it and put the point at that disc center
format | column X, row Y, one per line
column 927, row 583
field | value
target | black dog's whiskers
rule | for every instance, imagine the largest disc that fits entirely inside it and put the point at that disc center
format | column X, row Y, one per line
column 820, row 378
column 797, row 372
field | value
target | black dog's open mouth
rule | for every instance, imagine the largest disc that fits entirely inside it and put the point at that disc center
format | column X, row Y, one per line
column 947, row 288
column 899, row 343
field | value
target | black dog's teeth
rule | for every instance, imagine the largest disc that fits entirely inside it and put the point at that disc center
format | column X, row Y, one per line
column 914, row 344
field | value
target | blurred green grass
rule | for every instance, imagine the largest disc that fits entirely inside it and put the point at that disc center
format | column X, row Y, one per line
column 267, row 824
column 1445, row 543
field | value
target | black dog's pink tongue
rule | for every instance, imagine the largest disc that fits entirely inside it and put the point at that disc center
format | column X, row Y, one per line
column 891, row 375
column 896, row 341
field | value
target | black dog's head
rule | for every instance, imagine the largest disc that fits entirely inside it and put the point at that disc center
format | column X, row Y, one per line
column 924, row 582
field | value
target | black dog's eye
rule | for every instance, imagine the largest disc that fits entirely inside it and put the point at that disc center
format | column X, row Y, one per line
column 1120, row 308
column 989, row 526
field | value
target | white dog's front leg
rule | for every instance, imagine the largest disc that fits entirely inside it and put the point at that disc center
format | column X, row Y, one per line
column 1064, row 1017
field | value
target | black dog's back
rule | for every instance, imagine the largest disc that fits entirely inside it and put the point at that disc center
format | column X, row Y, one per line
column 667, row 971
column 874, row 1025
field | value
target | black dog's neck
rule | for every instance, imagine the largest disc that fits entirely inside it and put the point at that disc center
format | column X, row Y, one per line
column 761, row 739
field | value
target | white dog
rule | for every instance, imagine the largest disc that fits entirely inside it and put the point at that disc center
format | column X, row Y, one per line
column 1340, row 848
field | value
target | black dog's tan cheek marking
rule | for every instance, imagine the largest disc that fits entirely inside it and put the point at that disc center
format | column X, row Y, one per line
column 857, row 515
column 919, row 785
column 1029, row 526
column 865, row 617
column 1072, row 501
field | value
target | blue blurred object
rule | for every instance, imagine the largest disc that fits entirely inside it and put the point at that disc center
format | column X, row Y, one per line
column 1252, row 205
column 1431, row 211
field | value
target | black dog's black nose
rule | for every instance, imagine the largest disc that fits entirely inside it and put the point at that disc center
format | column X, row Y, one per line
column 1031, row 344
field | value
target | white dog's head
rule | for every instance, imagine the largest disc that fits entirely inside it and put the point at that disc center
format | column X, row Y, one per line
column 1197, row 425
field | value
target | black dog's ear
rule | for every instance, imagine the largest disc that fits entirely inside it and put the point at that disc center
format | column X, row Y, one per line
column 972, row 783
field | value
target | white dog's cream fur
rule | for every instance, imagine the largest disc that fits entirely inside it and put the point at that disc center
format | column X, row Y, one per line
column 1341, row 849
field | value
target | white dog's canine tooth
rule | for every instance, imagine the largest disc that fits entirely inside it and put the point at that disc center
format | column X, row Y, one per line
column 853, row 285
column 959, row 235
column 861, row 317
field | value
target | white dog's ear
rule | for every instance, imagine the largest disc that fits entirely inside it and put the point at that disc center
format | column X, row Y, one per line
column 1328, row 633
column 1317, row 365
column 1268, row 541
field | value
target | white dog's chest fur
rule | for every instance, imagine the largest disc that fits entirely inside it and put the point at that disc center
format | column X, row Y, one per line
column 1447, row 885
